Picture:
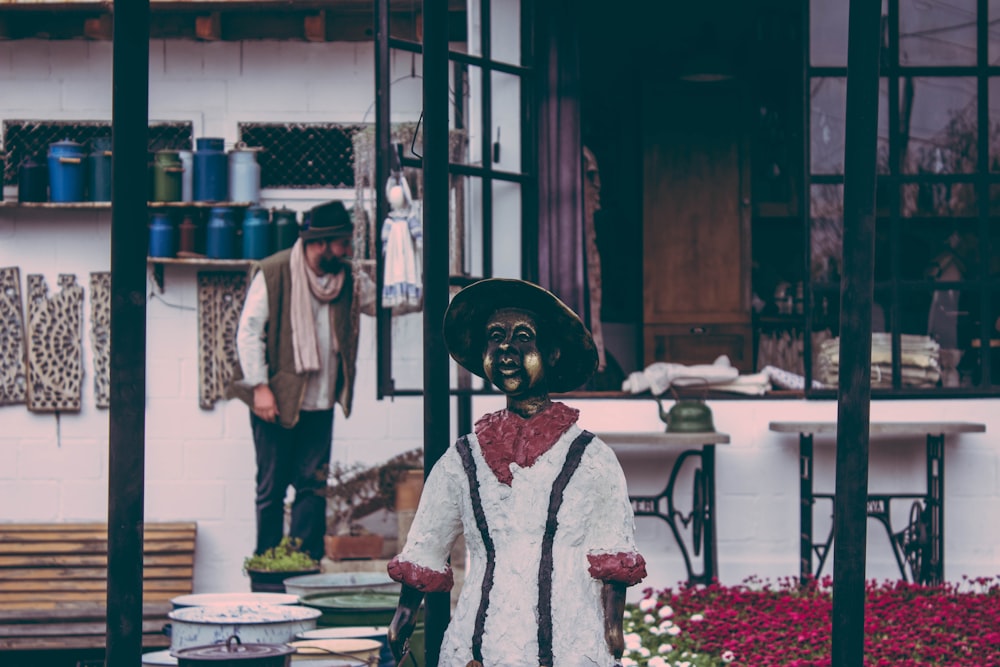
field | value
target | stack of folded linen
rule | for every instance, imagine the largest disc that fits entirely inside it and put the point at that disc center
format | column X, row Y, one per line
column 919, row 359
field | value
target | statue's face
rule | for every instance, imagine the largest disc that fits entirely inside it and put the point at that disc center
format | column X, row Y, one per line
column 512, row 360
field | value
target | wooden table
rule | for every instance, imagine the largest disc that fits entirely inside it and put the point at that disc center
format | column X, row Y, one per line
column 920, row 545
column 693, row 532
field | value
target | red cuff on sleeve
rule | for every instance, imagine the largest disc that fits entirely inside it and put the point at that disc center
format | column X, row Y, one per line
column 420, row 577
column 625, row 567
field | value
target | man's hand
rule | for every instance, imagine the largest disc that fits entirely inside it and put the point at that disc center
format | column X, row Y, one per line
column 264, row 405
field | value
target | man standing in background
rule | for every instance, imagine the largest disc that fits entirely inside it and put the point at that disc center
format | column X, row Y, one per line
column 297, row 348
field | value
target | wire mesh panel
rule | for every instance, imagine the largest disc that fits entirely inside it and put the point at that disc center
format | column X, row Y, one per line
column 302, row 155
column 31, row 138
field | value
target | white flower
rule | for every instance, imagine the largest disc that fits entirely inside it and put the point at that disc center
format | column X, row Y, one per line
column 665, row 611
column 728, row 656
column 648, row 618
column 665, row 648
column 647, row 604
column 643, row 651
column 696, row 618
column 627, row 614
column 632, row 641
column 666, row 624
column 657, row 661
column 674, row 630
column 629, row 662
column 655, row 630
column 683, row 664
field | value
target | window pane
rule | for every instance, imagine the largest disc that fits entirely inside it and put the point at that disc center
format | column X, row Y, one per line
column 937, row 33
column 949, row 319
column 826, row 234
column 505, row 40
column 828, row 27
column 406, row 91
column 466, row 119
column 993, row 32
column 938, row 199
column 941, row 250
column 994, row 111
column 506, row 131
column 467, row 226
column 828, row 21
column 941, row 135
column 506, row 229
column 828, row 108
column 473, row 30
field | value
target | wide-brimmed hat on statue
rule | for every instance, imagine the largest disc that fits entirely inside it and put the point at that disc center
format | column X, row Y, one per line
column 327, row 221
column 467, row 315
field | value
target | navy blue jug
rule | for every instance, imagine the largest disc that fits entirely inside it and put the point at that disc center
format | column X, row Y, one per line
column 286, row 228
column 256, row 233
column 162, row 235
column 220, row 233
column 67, row 171
column 32, row 181
column 99, row 169
column 211, row 170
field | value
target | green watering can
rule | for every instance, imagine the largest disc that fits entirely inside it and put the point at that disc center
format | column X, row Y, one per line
column 687, row 416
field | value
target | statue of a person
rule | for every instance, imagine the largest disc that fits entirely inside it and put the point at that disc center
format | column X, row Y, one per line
column 541, row 502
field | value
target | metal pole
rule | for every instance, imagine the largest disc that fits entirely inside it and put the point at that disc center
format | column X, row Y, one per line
column 126, row 455
column 437, row 400
column 856, row 291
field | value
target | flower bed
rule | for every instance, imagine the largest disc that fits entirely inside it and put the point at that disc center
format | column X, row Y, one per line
column 783, row 625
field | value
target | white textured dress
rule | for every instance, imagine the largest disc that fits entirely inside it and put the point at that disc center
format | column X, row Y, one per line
column 595, row 524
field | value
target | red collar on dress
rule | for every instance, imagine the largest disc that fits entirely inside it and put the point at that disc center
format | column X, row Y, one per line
column 505, row 437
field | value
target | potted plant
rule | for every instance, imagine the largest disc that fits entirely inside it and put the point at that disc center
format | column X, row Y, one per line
column 356, row 491
column 268, row 571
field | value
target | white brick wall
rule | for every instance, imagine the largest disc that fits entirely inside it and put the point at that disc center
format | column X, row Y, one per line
column 199, row 463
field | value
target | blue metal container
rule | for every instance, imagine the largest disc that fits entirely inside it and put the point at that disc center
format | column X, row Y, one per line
column 211, row 170
column 33, row 181
column 286, row 228
column 67, row 171
column 220, row 233
column 257, row 241
column 244, row 175
column 99, row 170
column 162, row 235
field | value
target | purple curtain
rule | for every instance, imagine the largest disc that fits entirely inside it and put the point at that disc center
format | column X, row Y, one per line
column 560, row 184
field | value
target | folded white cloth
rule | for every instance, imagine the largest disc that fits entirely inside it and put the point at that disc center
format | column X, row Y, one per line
column 660, row 376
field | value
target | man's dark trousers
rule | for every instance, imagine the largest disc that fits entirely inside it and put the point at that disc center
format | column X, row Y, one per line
column 299, row 456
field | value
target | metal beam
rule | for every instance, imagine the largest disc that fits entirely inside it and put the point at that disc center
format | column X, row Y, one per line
column 126, row 455
column 856, row 293
column 436, row 214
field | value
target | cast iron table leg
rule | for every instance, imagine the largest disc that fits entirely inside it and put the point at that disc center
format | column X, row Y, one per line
column 934, row 574
column 805, row 505
column 708, row 467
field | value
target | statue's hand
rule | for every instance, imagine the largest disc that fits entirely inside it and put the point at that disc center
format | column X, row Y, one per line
column 613, row 601
column 404, row 621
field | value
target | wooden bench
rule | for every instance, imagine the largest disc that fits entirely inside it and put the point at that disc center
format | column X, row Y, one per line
column 53, row 583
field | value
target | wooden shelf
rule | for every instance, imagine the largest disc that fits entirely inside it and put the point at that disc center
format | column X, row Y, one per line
column 157, row 265
column 105, row 205
column 200, row 261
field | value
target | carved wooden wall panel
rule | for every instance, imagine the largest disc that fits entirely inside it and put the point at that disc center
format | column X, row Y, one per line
column 220, row 300
column 13, row 352
column 100, row 336
column 55, row 345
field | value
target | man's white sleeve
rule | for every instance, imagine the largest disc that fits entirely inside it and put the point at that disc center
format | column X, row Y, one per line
column 251, row 335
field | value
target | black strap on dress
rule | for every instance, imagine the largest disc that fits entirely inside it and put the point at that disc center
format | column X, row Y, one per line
column 573, row 457
column 469, row 464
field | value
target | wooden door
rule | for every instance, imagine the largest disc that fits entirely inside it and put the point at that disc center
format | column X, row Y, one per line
column 696, row 295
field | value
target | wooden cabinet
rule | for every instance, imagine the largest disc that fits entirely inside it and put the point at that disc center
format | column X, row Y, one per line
column 696, row 215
